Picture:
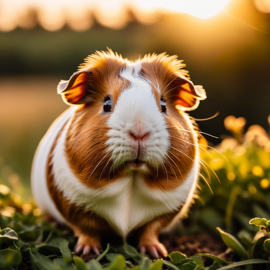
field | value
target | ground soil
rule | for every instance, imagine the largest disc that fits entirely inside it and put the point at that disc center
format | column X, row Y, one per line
column 191, row 245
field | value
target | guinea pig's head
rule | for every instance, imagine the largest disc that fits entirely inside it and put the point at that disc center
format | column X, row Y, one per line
column 131, row 120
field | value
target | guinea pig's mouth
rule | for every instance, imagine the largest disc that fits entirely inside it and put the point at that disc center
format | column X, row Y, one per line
column 137, row 163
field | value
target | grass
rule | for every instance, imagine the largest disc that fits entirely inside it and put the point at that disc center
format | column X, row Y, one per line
column 242, row 165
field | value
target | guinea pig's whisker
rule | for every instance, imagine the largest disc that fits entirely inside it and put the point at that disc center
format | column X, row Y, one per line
column 172, row 167
column 156, row 167
column 96, row 166
column 201, row 133
column 175, row 164
column 105, row 167
column 207, row 183
column 190, row 158
column 163, row 166
column 153, row 161
column 110, row 173
column 211, row 171
column 208, row 145
column 192, row 144
column 208, row 118
column 180, row 128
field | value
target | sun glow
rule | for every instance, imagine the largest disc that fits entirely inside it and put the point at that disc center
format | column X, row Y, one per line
column 198, row 8
column 80, row 14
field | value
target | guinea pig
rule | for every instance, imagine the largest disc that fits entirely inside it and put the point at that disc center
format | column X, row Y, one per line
column 124, row 158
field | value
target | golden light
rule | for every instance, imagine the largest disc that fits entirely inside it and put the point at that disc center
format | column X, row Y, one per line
column 257, row 170
column 264, row 183
column 111, row 14
column 4, row 190
column 78, row 14
column 263, row 5
column 26, row 208
column 198, row 8
column 51, row 15
column 37, row 212
column 252, row 190
column 231, row 176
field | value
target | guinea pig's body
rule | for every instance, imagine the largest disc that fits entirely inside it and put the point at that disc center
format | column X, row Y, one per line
column 122, row 160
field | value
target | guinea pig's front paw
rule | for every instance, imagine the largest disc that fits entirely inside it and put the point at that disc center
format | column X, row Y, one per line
column 86, row 244
column 156, row 249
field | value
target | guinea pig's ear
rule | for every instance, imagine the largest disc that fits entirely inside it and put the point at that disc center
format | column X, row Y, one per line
column 77, row 89
column 185, row 94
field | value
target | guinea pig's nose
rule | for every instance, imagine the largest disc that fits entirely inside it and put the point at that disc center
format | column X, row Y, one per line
column 139, row 137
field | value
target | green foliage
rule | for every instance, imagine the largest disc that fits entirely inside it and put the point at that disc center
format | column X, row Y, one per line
column 233, row 243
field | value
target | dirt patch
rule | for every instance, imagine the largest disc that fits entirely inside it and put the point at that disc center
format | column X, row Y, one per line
column 193, row 244
column 190, row 245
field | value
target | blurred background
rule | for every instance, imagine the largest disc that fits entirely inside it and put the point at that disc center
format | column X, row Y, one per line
column 225, row 45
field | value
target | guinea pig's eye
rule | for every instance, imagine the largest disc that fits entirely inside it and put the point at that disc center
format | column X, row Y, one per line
column 107, row 107
column 163, row 106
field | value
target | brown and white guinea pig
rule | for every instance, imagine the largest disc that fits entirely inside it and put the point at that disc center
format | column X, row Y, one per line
column 124, row 158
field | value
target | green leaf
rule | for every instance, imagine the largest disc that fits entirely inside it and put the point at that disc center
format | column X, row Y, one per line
column 266, row 245
column 79, row 263
column 170, row 265
column 187, row 266
column 48, row 250
column 245, row 238
column 144, row 263
column 8, row 235
column 62, row 244
column 199, row 267
column 176, row 257
column 103, row 253
column 41, row 262
column 61, row 264
column 198, row 260
column 118, row 264
column 157, row 265
column 257, row 222
column 9, row 258
column 214, row 266
column 111, row 256
column 128, row 252
column 214, row 258
column 257, row 250
column 246, row 262
column 93, row 265
column 233, row 243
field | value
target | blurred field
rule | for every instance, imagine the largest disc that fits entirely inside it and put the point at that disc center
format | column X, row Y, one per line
column 28, row 105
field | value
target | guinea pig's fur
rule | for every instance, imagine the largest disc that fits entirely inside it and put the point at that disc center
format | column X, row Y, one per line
column 124, row 158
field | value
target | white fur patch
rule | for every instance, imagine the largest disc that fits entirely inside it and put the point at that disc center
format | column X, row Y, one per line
column 39, row 173
column 126, row 203
column 136, row 111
